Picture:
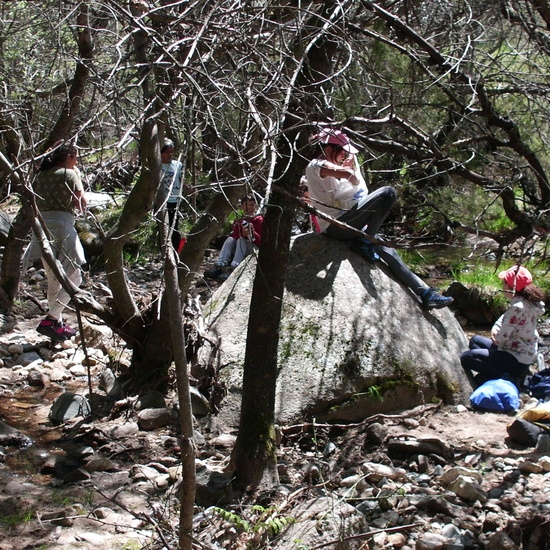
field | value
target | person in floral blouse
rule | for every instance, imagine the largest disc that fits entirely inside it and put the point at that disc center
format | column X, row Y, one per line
column 514, row 338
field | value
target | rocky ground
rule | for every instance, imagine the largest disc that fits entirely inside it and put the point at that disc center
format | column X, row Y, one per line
column 436, row 477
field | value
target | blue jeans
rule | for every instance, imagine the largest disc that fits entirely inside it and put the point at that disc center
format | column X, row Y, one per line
column 371, row 211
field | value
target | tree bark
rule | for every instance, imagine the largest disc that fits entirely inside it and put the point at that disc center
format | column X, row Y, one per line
column 253, row 458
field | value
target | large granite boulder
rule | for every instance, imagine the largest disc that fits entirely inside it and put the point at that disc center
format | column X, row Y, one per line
column 353, row 341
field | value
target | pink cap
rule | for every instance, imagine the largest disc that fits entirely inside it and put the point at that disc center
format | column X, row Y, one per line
column 336, row 137
column 518, row 277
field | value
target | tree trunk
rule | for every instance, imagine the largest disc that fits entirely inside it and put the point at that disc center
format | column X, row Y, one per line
column 254, row 454
column 10, row 273
column 253, row 458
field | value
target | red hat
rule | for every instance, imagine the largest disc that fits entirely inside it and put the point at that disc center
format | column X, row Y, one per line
column 336, row 137
column 518, row 277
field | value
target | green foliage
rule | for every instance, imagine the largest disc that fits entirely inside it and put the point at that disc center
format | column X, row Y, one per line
column 461, row 202
column 18, row 518
column 485, row 275
column 261, row 524
column 143, row 243
column 373, row 392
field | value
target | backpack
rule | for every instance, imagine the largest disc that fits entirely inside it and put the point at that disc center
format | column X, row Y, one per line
column 529, row 424
column 68, row 405
column 539, row 385
column 496, row 395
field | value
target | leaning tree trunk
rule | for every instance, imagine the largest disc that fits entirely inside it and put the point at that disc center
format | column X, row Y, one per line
column 253, row 456
column 253, row 459
column 11, row 261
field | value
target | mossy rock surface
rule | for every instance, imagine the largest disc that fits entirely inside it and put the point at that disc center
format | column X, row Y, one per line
column 347, row 327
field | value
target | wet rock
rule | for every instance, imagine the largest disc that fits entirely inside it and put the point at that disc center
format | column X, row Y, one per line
column 375, row 472
column 501, row 541
column 213, row 488
column 153, row 419
column 150, row 400
column 376, row 433
column 468, row 489
column 37, row 379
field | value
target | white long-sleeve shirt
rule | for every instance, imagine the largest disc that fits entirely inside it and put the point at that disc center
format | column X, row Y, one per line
column 335, row 195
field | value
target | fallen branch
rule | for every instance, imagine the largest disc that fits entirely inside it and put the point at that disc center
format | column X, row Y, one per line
column 366, row 535
column 310, row 426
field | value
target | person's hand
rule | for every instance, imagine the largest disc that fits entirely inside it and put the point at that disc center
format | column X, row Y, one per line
column 245, row 229
column 349, row 162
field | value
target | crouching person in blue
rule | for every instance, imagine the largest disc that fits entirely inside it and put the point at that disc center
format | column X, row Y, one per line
column 339, row 190
column 514, row 338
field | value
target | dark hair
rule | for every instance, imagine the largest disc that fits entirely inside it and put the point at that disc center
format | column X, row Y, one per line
column 532, row 294
column 58, row 156
column 248, row 198
column 168, row 144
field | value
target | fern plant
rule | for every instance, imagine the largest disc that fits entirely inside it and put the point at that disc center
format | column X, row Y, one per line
column 262, row 524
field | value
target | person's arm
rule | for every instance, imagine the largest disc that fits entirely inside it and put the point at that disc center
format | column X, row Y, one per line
column 334, row 171
column 79, row 200
column 349, row 170
column 255, row 226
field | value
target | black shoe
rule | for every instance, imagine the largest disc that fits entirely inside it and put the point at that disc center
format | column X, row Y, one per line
column 432, row 300
column 366, row 249
column 213, row 273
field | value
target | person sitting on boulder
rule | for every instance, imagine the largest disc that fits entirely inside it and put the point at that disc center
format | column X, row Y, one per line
column 513, row 344
column 339, row 190
column 246, row 236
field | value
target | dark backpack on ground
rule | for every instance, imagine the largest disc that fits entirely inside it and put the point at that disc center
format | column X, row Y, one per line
column 524, row 432
column 68, row 405
column 539, row 385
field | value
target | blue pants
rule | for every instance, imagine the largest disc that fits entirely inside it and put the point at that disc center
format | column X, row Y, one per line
column 490, row 363
column 371, row 211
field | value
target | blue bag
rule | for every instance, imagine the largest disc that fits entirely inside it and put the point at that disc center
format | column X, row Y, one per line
column 496, row 395
column 539, row 385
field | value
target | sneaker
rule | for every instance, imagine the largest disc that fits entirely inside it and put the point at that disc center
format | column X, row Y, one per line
column 55, row 330
column 224, row 276
column 432, row 300
column 213, row 273
column 367, row 250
